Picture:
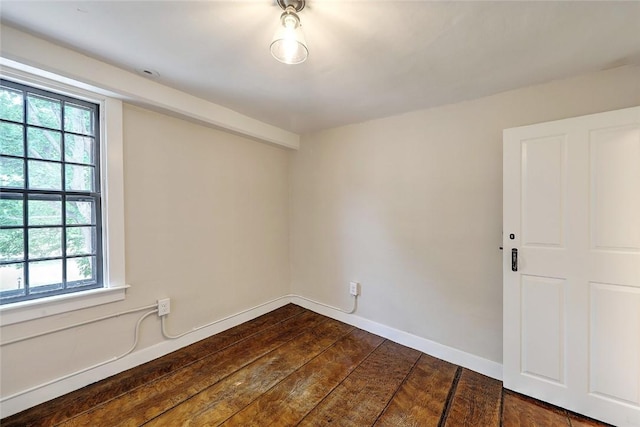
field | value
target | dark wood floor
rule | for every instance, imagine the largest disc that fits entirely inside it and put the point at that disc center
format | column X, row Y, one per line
column 295, row 367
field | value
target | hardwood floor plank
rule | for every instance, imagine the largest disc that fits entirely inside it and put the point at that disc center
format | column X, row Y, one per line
column 363, row 395
column 476, row 401
column 150, row 400
column 523, row 412
column 289, row 401
column 220, row 401
column 74, row 403
column 421, row 399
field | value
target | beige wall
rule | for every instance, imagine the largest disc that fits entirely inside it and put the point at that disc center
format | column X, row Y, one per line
column 411, row 206
column 206, row 216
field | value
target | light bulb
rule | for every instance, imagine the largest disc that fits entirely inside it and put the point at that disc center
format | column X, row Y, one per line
column 288, row 44
column 289, row 40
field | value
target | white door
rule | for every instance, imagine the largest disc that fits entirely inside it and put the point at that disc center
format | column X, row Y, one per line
column 572, row 308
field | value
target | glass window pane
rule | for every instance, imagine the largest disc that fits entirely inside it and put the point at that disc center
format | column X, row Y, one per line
column 45, row 112
column 81, row 241
column 45, row 242
column 11, row 212
column 79, row 178
column 11, row 244
column 11, row 107
column 78, row 119
column 81, row 270
column 45, row 212
column 45, row 175
column 11, row 172
column 44, row 144
column 11, row 139
column 45, row 273
column 12, row 277
column 80, row 211
column 78, row 149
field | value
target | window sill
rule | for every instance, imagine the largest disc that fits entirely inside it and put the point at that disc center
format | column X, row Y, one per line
column 36, row 309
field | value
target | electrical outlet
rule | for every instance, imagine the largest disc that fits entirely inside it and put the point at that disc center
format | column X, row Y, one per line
column 354, row 288
column 164, row 307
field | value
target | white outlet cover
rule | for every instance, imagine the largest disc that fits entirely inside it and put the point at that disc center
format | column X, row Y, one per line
column 354, row 288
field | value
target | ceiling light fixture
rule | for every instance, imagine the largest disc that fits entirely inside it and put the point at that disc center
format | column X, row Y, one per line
column 289, row 45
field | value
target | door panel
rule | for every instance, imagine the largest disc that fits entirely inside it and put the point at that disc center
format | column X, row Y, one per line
column 543, row 330
column 615, row 328
column 572, row 309
column 615, row 163
column 543, row 189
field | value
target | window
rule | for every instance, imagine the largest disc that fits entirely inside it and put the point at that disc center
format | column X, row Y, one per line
column 50, row 198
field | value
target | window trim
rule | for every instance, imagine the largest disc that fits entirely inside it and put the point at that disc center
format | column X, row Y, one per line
column 112, row 187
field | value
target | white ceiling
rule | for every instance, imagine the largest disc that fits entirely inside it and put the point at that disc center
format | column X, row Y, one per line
column 368, row 58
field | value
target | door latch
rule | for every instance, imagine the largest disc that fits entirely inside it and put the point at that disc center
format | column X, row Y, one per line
column 514, row 259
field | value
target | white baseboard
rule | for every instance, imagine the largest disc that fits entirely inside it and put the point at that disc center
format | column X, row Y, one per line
column 21, row 401
column 467, row 360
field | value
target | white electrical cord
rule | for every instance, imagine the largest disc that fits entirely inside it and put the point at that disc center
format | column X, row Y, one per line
column 166, row 334
column 97, row 365
column 353, row 310
column 173, row 337
column 75, row 325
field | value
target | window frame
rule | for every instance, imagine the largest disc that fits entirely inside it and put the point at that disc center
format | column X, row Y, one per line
column 110, row 164
column 30, row 194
